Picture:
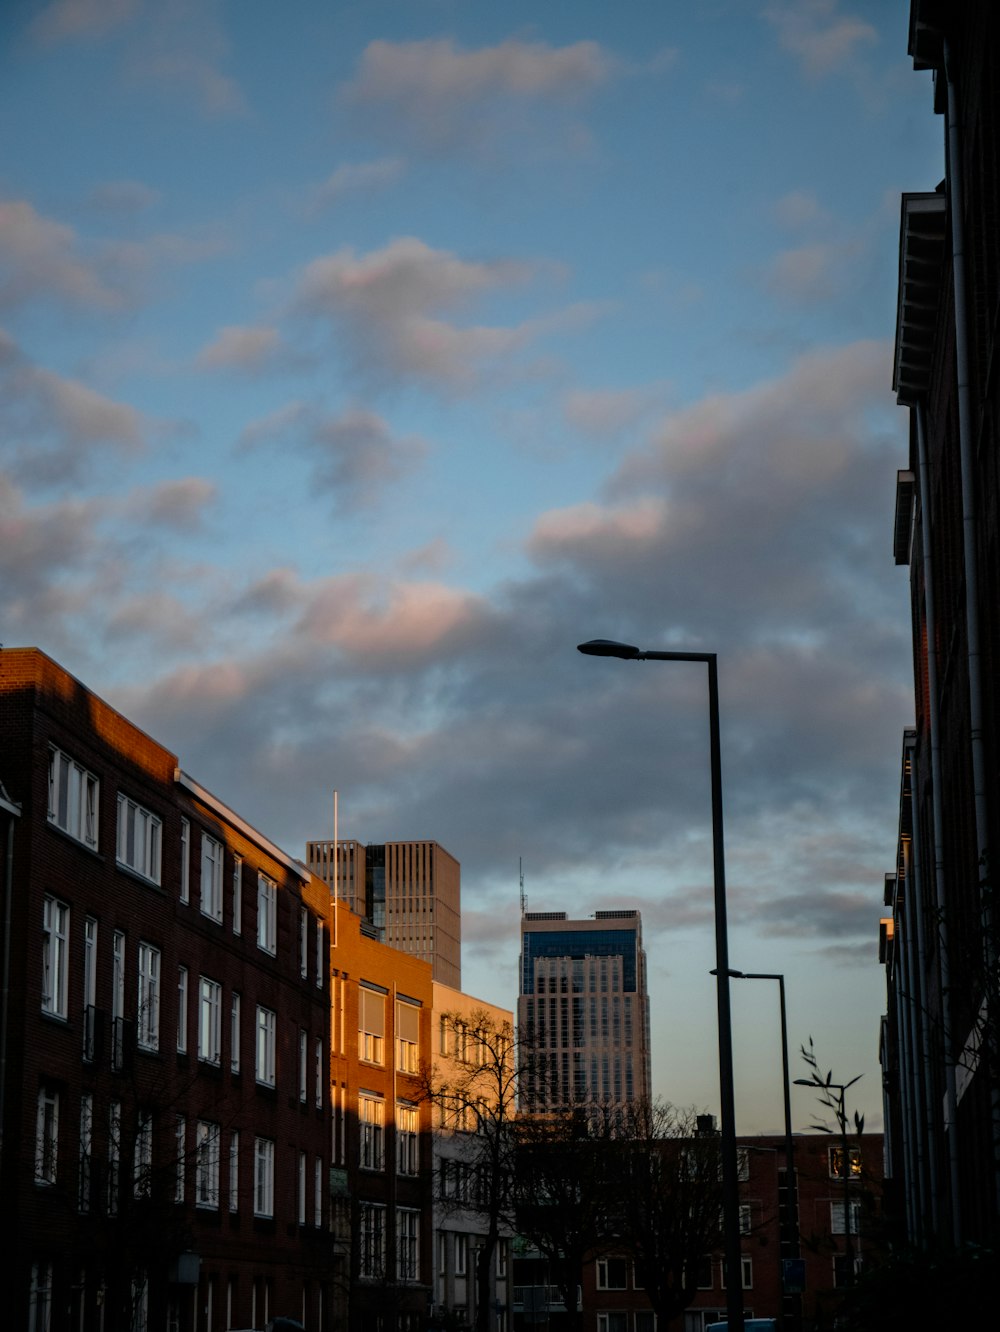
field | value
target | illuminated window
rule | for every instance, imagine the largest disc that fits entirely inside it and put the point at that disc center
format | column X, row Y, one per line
column 371, row 1113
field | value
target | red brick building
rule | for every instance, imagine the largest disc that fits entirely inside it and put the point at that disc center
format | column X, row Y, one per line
column 165, row 1036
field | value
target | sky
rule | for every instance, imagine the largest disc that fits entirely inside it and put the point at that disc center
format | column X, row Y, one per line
column 359, row 360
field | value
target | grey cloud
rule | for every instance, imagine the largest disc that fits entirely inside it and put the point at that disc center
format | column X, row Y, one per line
column 67, row 20
column 817, row 34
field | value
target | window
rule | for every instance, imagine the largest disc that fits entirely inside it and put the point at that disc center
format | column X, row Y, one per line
column 265, row 1046
column 407, row 1140
column 371, row 1112
column 318, row 1192
column 503, row 1256
column 237, row 895
column 182, row 1010
column 407, row 1244
column 303, row 1065
column 442, row 1253
column 612, row 1322
column 211, row 877
column 55, row 956
column 837, row 1162
column 234, row 1034
column 705, row 1275
column 746, row 1266
column 837, row 1217
column 407, row 1037
column 180, row 1146
column 118, row 998
column 90, row 989
column 46, row 1136
column 372, row 1248
column 743, row 1163
column 303, row 942
column 263, row 1191
column 319, row 1074
column 138, row 839
column 114, row 1154
column 746, row 1219
column 40, row 1305
column 267, row 904
column 148, row 1010
column 209, row 1021
column 86, row 1152
column 371, row 1025
column 73, row 793
column 206, row 1164
column 142, row 1159
column 234, row 1170
column 461, row 1255
column 612, row 1274
column 301, row 1190
column 320, row 954
column 185, row 860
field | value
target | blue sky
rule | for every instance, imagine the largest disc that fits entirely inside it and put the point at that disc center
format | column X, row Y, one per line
column 359, row 360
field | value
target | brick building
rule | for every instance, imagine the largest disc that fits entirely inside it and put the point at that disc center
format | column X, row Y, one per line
column 165, row 1034
column 939, row 939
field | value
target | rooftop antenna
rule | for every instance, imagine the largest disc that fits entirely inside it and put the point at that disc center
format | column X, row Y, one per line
column 520, row 872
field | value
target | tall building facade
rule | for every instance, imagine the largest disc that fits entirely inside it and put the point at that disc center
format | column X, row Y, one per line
column 940, row 936
column 583, row 1009
column 410, row 892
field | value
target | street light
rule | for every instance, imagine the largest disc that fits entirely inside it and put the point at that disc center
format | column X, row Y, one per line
column 603, row 647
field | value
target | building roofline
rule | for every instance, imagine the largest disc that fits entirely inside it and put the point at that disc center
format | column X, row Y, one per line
column 247, row 829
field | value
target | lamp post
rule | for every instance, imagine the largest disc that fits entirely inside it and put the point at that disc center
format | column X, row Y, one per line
column 790, row 1246
column 602, row 647
column 840, row 1109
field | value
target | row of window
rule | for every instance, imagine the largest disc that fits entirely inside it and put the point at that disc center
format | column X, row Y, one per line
column 371, row 1030
column 453, row 1254
column 203, row 1155
column 372, row 1249
column 371, row 1120
column 73, row 807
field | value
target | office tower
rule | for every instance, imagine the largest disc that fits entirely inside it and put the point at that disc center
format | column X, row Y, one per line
column 409, row 892
column 583, row 1009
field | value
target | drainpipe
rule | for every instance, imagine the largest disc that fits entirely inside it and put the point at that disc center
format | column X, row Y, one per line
column 969, row 525
column 937, row 823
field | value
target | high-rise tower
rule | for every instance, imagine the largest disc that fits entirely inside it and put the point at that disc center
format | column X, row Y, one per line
column 583, row 1009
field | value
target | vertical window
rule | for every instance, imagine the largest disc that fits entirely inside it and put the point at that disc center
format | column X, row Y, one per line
column 371, row 1025
column 142, row 1158
column 303, row 1065
column 185, row 860
column 837, row 1162
column 138, row 846
column 237, row 895
column 118, row 998
column 461, row 1255
column 40, row 1298
column 746, row 1219
column 407, row 1139
column 46, row 1136
column 301, row 1189
column 407, row 1244
column 73, row 793
column 211, row 877
column 303, row 942
column 371, row 1112
column 206, row 1160
column 180, row 1147
column 90, row 989
column 407, row 1036
column 234, row 1171
column 234, row 1034
column 320, row 954
column 265, row 1046
column 372, row 1255
column 837, row 1217
column 86, row 1151
column 182, row 1010
column 114, row 1154
column 148, row 1009
column 318, row 1192
column 263, row 1195
column 209, row 1021
column 267, row 894
column 319, row 1073
column 55, row 956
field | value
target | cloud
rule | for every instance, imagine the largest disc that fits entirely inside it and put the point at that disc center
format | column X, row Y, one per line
column 801, row 208
column 68, row 20
column 176, row 506
column 819, row 37
column 41, row 257
column 355, row 454
column 360, row 178
column 387, row 305
column 241, row 347
column 124, row 197
column 440, row 97
column 813, row 274
column 603, row 412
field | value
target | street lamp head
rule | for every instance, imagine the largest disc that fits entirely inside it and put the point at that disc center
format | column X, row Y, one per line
column 606, row 647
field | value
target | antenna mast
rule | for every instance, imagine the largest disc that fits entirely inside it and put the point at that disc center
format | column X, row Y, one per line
column 520, row 872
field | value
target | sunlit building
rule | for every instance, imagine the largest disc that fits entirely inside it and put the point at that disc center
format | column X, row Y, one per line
column 583, row 1009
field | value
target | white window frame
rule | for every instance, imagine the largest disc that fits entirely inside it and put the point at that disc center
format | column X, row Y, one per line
column 74, row 798
column 371, row 1025
column 604, row 1279
column 86, row 1177
column 301, row 1186
column 371, row 1121
column 372, row 1247
column 263, row 1193
column 303, row 942
column 89, row 988
column 461, row 1254
column 47, row 1137
column 212, row 860
column 319, row 1073
column 234, row 1170
column 206, row 1158
column 147, row 1015
column 320, row 954
column 180, row 1147
column 407, row 1244
column 234, row 1032
column 182, row 1010
column 142, row 1156
column 266, row 1042
column 139, row 839
column 209, row 1020
column 407, row 1139
column 318, row 1193
column 237, row 894
column 836, row 1157
column 837, row 1217
column 55, row 957
column 114, row 1155
column 407, row 1037
column 303, row 1065
column 185, row 886
column 40, row 1297
column 267, row 914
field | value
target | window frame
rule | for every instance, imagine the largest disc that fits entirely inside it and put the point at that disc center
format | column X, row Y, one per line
column 76, row 813
column 263, row 1191
column 209, row 1021
column 47, row 1137
column 147, row 1013
column 264, row 1064
column 146, row 829
column 371, row 1132
column 55, row 956
column 213, row 859
column 267, row 915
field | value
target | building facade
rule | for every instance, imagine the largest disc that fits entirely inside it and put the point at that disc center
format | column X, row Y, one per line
column 939, row 938
column 583, row 1009
column 165, row 1031
column 411, row 892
